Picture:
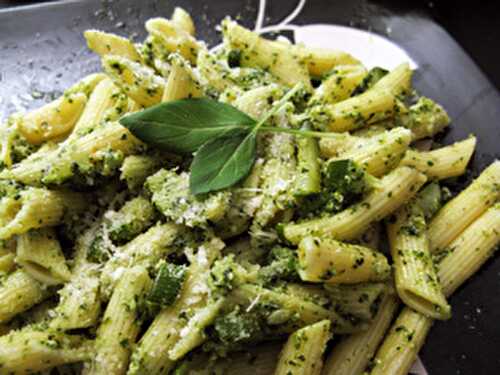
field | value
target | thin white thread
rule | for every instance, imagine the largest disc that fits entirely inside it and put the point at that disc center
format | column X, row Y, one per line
column 294, row 14
column 254, row 302
column 259, row 23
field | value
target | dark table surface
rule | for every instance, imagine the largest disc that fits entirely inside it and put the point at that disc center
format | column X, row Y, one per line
column 474, row 24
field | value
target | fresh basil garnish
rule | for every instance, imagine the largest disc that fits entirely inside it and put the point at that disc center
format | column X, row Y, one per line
column 184, row 125
column 222, row 137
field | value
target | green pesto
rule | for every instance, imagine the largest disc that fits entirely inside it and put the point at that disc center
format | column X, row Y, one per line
column 133, row 218
column 282, row 266
column 343, row 183
column 171, row 196
column 373, row 76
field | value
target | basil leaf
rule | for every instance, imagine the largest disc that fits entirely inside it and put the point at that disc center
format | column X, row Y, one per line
column 184, row 125
column 222, row 162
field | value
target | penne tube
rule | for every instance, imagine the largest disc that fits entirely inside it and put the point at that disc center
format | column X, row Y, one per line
column 321, row 61
column 281, row 61
column 375, row 104
column 172, row 197
column 359, row 301
column 445, row 162
column 402, row 344
column 303, row 351
column 195, row 335
column 86, row 85
column 136, row 80
column 153, row 353
column 31, row 350
column 182, row 20
column 425, row 118
column 7, row 263
column 381, row 153
column 352, row 354
column 256, row 102
column 458, row 213
column 467, row 253
column 110, row 44
column 295, row 310
column 30, row 170
column 173, row 38
column 53, row 120
column 329, row 261
column 181, row 83
column 99, row 103
column 84, row 153
column 40, row 254
column 258, row 360
column 136, row 168
column 416, row 278
column 79, row 301
column 7, row 256
column 131, row 219
column 145, row 250
column 395, row 189
column 121, row 324
column 338, row 143
column 339, row 85
column 37, row 208
column 277, row 179
column 19, row 292
column 213, row 73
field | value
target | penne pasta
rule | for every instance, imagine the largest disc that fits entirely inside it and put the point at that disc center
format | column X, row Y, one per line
column 445, row 162
column 339, row 85
column 470, row 250
column 117, row 200
column 458, row 213
column 395, row 189
column 330, row 261
column 110, row 44
column 40, row 254
column 37, row 208
column 53, row 120
column 136, row 80
column 33, row 350
column 287, row 65
column 416, row 278
column 354, row 352
column 302, row 353
column 401, row 345
column 181, row 83
column 120, row 326
column 18, row 293
column 376, row 104
column 379, row 154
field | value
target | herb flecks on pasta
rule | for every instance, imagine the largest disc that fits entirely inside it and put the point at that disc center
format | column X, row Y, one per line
column 186, row 207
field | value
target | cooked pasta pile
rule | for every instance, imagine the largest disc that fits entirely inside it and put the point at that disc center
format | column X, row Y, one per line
column 110, row 264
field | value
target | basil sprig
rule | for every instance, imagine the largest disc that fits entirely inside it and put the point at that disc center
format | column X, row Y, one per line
column 184, row 125
column 223, row 138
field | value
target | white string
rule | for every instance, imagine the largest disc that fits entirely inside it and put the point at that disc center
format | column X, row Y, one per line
column 283, row 25
column 216, row 48
column 259, row 23
column 294, row 14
